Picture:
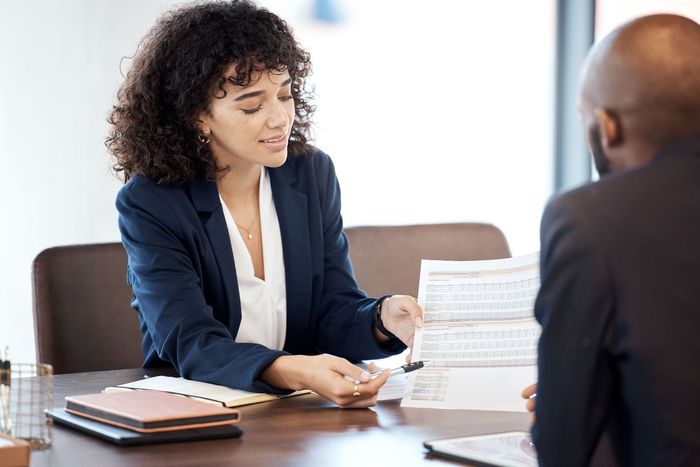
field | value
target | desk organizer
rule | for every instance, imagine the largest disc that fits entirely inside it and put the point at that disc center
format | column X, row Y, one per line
column 31, row 391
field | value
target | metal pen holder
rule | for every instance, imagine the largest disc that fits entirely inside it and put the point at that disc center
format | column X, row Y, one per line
column 30, row 392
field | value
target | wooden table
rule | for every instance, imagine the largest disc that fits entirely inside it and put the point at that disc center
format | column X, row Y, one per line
column 298, row 431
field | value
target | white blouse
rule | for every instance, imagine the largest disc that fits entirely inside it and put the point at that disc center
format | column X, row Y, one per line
column 263, row 302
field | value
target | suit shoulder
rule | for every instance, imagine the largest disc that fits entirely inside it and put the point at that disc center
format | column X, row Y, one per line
column 612, row 193
column 313, row 159
column 591, row 211
column 139, row 184
column 314, row 167
column 144, row 192
column 591, row 194
column 569, row 200
column 571, row 210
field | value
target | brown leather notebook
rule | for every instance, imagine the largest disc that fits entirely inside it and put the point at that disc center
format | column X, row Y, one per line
column 150, row 411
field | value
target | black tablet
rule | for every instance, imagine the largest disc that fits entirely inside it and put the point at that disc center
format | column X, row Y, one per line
column 124, row 437
column 510, row 449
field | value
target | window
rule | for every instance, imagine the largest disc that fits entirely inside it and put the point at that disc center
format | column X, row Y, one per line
column 612, row 13
column 437, row 112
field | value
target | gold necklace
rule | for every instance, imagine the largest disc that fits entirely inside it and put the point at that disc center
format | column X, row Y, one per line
column 248, row 231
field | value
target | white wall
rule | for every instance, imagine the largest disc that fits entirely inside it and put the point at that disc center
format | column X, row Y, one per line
column 433, row 112
column 59, row 71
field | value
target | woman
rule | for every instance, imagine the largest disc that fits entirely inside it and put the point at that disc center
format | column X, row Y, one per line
column 237, row 257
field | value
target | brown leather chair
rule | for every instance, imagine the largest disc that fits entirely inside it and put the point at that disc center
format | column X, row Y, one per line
column 83, row 321
column 386, row 260
column 82, row 317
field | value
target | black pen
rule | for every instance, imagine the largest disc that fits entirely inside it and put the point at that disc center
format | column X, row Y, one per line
column 407, row 368
column 5, row 380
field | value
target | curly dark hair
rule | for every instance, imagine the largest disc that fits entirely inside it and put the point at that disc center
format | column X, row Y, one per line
column 178, row 68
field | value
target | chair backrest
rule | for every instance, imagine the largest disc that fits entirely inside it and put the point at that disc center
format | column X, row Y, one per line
column 82, row 317
column 386, row 260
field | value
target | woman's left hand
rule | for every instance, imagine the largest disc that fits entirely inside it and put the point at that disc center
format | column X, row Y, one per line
column 401, row 315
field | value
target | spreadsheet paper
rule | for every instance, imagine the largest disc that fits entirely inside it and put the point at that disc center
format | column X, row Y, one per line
column 479, row 334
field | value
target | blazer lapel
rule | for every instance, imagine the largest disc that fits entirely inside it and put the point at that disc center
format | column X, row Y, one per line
column 205, row 198
column 292, row 212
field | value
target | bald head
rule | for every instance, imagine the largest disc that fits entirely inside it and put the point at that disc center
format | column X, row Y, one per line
column 646, row 75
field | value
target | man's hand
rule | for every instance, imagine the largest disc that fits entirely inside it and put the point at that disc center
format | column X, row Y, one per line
column 530, row 393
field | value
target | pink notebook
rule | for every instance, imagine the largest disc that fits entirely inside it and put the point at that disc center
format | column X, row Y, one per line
column 150, row 411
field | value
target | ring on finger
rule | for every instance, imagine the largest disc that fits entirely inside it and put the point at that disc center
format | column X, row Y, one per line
column 356, row 389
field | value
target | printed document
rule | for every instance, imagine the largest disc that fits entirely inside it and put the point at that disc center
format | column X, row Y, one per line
column 479, row 334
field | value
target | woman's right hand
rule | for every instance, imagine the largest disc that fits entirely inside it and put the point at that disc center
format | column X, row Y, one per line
column 325, row 375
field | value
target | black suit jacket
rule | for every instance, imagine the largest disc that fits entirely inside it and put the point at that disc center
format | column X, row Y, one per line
column 620, row 312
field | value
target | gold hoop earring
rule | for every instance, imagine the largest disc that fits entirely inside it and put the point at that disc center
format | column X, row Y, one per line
column 204, row 139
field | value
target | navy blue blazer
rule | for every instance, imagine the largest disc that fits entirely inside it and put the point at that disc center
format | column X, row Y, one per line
column 182, row 272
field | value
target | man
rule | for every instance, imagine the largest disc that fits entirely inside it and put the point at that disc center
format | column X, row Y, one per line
column 620, row 261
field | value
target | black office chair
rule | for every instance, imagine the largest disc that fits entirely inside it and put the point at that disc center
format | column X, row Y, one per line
column 82, row 317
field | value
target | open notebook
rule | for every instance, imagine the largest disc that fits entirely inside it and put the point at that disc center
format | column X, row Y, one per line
column 206, row 392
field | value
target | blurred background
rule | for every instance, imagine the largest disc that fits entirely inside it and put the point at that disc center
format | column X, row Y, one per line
column 439, row 111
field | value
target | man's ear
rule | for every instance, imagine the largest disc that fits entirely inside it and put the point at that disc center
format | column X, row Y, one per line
column 610, row 128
